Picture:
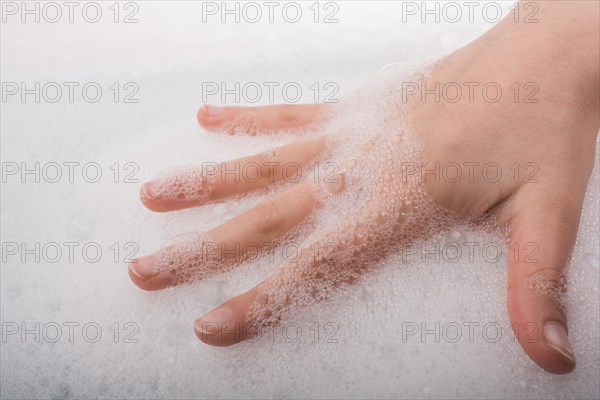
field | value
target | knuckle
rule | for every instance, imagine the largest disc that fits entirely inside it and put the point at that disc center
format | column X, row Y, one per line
column 546, row 281
column 287, row 115
column 269, row 168
column 266, row 217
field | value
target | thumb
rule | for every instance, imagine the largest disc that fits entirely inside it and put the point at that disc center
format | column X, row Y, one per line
column 543, row 228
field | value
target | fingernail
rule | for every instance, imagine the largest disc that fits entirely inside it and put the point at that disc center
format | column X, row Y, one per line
column 557, row 338
column 143, row 268
column 212, row 111
column 213, row 322
column 146, row 191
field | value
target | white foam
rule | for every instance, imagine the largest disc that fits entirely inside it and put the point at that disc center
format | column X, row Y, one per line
column 359, row 351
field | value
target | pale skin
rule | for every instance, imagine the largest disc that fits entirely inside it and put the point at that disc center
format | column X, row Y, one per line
column 558, row 134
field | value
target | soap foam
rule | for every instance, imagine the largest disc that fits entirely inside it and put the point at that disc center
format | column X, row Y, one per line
column 366, row 209
column 350, row 346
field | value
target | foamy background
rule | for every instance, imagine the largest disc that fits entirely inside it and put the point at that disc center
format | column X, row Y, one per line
column 359, row 351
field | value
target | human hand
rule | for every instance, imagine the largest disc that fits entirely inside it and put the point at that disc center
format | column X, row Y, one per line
column 372, row 204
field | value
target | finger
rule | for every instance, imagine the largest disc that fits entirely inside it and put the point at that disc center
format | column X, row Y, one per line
column 227, row 324
column 245, row 316
column 252, row 120
column 543, row 231
column 200, row 256
column 319, row 269
column 214, row 182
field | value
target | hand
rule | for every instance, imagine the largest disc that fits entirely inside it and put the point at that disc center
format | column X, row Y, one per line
column 371, row 204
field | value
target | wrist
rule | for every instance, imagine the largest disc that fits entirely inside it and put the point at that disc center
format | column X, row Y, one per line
column 558, row 48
